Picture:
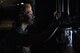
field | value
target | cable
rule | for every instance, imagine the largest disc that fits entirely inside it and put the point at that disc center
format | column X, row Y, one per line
column 52, row 34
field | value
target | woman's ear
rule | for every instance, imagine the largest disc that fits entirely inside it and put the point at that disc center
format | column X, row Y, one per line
column 57, row 14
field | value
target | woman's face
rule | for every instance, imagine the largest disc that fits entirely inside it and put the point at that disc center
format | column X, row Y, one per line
column 29, row 16
column 28, row 19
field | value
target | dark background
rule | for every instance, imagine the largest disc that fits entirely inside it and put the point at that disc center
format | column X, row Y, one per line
column 44, row 10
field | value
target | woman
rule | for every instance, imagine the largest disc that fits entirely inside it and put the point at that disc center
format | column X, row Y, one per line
column 26, row 20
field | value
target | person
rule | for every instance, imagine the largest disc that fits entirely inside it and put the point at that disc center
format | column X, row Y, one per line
column 66, row 45
column 26, row 20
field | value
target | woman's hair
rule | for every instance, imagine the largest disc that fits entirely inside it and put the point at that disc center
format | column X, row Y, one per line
column 27, row 8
